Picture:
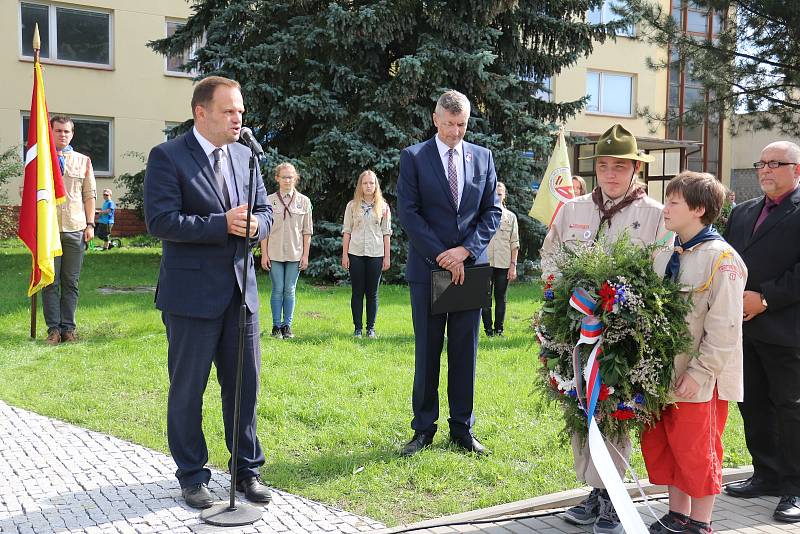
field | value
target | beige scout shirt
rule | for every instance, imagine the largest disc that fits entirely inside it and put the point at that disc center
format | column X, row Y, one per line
column 504, row 241
column 286, row 236
column 713, row 275
column 578, row 220
column 366, row 233
column 80, row 186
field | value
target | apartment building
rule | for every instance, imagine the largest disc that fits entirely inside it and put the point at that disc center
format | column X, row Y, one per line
column 97, row 69
column 620, row 85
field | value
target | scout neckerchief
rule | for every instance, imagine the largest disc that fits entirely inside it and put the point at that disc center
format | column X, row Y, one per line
column 285, row 205
column 62, row 158
column 366, row 207
column 606, row 214
column 708, row 233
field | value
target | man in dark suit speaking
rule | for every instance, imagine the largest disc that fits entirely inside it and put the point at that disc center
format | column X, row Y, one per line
column 447, row 205
column 195, row 200
column 764, row 231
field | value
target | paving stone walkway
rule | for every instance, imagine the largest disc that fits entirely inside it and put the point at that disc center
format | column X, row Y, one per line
column 56, row 477
column 731, row 516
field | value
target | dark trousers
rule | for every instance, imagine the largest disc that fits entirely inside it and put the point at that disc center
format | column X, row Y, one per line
column 499, row 287
column 60, row 299
column 365, row 276
column 193, row 345
column 462, row 349
column 771, row 412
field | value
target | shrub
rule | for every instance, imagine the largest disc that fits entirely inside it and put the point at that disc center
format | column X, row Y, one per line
column 10, row 167
column 133, row 183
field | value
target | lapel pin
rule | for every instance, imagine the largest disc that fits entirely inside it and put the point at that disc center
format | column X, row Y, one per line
column 468, row 157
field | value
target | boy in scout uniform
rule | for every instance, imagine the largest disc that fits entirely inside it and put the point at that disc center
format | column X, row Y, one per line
column 76, row 227
column 683, row 450
column 618, row 205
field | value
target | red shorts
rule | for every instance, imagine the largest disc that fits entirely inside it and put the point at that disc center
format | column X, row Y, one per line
column 684, row 449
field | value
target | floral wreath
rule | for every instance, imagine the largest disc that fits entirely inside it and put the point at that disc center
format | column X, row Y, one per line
column 610, row 292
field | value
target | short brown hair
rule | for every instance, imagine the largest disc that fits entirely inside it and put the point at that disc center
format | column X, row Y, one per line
column 63, row 119
column 204, row 90
column 699, row 190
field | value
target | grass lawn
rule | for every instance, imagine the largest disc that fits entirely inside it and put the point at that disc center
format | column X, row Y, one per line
column 333, row 412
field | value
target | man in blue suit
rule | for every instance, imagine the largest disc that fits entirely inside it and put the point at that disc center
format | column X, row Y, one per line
column 195, row 200
column 447, row 205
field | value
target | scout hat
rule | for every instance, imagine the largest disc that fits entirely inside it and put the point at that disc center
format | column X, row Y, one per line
column 617, row 142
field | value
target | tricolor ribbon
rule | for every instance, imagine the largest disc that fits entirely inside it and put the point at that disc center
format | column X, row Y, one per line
column 582, row 301
column 591, row 333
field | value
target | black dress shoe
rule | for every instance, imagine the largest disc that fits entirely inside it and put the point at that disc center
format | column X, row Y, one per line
column 752, row 487
column 469, row 444
column 417, row 443
column 788, row 509
column 197, row 496
column 254, row 490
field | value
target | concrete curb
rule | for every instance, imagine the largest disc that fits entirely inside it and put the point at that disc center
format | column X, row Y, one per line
column 553, row 501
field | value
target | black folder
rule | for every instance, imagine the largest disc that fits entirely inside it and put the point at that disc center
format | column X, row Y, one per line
column 473, row 294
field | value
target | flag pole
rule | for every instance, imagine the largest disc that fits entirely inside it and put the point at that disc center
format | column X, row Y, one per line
column 37, row 45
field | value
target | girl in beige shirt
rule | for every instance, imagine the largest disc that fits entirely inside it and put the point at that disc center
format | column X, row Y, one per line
column 502, row 252
column 365, row 248
column 285, row 251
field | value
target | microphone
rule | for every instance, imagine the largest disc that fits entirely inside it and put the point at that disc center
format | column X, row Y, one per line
column 247, row 134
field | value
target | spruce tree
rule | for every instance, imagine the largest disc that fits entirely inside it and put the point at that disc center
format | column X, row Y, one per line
column 341, row 86
column 750, row 70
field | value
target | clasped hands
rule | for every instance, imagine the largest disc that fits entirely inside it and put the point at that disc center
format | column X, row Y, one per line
column 452, row 260
column 237, row 221
column 751, row 305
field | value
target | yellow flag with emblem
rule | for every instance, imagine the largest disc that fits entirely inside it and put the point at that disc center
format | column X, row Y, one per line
column 556, row 186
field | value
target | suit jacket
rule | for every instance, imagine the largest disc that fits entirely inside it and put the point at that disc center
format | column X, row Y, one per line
column 201, row 263
column 426, row 211
column 772, row 256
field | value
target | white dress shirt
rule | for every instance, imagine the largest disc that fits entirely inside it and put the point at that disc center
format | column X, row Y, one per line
column 225, row 164
column 459, row 161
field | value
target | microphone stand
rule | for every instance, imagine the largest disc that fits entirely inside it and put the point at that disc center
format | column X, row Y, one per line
column 233, row 514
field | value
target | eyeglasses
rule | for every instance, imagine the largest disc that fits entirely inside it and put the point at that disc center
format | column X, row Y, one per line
column 289, row 177
column 772, row 164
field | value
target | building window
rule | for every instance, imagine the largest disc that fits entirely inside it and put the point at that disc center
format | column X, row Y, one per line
column 69, row 35
column 606, row 13
column 609, row 93
column 92, row 138
column 684, row 90
column 176, row 62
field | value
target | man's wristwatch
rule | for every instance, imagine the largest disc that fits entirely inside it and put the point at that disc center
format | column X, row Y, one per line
column 763, row 300
column 89, row 224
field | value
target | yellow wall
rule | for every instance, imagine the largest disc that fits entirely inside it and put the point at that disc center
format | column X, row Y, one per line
column 135, row 93
column 747, row 145
column 625, row 56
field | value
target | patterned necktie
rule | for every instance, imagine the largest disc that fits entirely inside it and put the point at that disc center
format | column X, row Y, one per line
column 452, row 176
column 223, row 186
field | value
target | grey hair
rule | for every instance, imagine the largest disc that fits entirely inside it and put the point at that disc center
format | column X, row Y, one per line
column 453, row 102
column 792, row 150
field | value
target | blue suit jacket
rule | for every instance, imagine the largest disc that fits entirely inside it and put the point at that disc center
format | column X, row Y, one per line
column 201, row 263
column 426, row 211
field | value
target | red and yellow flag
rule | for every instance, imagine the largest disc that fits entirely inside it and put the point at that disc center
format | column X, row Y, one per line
column 43, row 190
column 556, row 186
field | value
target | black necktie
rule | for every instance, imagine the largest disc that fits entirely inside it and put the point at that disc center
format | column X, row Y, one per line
column 223, row 186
